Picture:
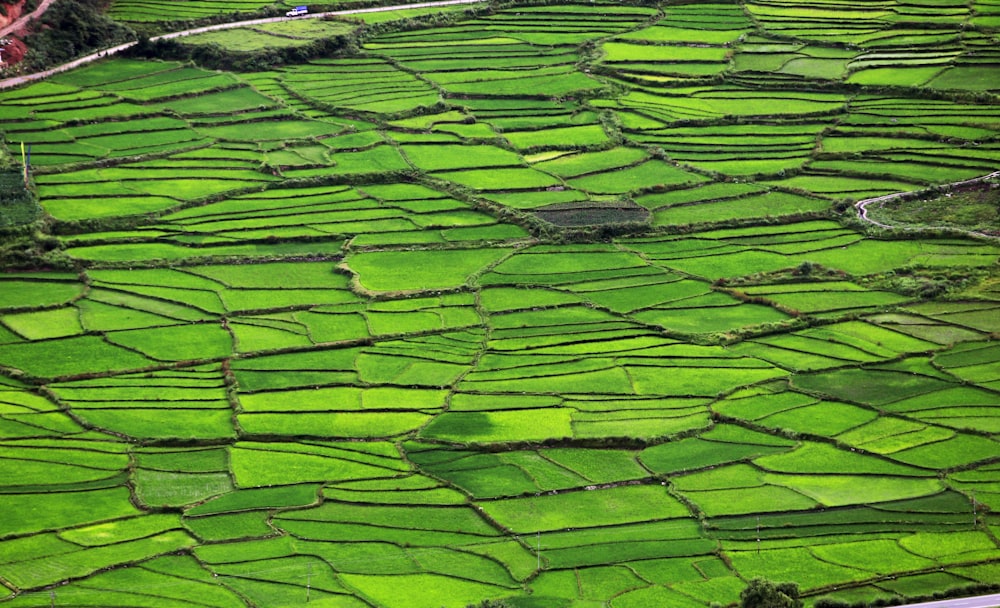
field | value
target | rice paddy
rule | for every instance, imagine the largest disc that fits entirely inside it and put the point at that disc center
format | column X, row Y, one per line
column 550, row 304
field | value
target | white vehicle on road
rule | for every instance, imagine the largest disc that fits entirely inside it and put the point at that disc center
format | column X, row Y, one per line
column 297, row 11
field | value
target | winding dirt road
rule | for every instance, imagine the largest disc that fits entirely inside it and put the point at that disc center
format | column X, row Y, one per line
column 19, row 80
column 862, row 206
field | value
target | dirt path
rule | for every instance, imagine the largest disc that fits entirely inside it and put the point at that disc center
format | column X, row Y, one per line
column 862, row 206
column 23, row 19
column 19, row 80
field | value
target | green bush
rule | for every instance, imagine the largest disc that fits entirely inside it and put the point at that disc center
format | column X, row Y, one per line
column 762, row 593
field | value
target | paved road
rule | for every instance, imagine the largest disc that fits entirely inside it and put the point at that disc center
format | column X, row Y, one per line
column 19, row 80
column 23, row 19
column 982, row 601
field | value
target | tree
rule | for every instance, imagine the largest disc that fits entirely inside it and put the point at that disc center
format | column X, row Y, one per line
column 804, row 269
column 490, row 604
column 762, row 593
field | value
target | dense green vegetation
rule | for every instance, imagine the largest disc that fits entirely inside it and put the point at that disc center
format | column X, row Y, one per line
column 70, row 30
column 546, row 305
column 20, row 207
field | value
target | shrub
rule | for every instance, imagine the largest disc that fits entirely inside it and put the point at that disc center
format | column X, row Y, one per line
column 762, row 593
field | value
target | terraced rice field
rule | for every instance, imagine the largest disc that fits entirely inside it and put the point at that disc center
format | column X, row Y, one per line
column 280, row 35
column 337, row 333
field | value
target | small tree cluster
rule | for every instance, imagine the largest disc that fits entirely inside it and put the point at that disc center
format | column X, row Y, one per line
column 490, row 604
column 762, row 593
